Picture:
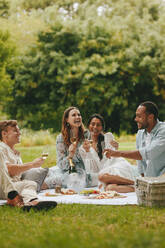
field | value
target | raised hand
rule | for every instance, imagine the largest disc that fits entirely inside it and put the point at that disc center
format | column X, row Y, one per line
column 86, row 145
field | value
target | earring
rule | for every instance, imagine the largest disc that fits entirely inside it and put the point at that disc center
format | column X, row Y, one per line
column 68, row 125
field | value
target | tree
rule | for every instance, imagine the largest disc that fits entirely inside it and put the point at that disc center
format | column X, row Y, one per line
column 4, row 8
column 6, row 52
column 107, row 64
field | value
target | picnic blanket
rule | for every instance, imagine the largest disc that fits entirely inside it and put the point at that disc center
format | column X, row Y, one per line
column 130, row 199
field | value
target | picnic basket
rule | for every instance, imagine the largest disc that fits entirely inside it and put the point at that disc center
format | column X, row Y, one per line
column 150, row 191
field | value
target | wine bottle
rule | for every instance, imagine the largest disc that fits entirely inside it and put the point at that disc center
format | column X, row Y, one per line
column 72, row 168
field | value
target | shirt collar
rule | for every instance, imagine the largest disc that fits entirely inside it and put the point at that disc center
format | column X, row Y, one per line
column 155, row 128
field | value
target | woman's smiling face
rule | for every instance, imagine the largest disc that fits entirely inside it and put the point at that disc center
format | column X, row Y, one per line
column 74, row 118
column 95, row 126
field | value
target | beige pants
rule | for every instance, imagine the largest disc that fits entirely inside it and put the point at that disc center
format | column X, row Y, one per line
column 27, row 189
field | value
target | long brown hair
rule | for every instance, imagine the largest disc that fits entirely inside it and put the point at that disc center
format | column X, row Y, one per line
column 65, row 130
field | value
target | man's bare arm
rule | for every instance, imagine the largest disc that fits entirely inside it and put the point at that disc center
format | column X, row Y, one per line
column 125, row 154
column 15, row 169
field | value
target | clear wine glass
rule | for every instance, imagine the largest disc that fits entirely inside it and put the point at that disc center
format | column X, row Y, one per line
column 90, row 141
column 108, row 137
column 45, row 152
column 73, row 140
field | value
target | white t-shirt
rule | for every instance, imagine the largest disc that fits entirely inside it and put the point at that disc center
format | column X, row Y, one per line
column 10, row 157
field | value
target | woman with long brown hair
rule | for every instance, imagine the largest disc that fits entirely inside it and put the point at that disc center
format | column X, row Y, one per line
column 67, row 147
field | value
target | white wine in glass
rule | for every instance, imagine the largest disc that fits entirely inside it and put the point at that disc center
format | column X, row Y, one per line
column 90, row 141
column 73, row 140
column 45, row 152
column 45, row 155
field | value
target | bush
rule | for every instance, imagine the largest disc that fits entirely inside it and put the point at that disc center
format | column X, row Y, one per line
column 107, row 64
column 40, row 138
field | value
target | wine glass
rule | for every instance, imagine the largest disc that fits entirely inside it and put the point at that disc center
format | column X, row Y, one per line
column 90, row 141
column 73, row 140
column 45, row 152
column 108, row 137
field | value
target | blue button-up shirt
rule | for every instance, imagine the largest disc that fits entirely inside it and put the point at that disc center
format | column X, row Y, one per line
column 153, row 154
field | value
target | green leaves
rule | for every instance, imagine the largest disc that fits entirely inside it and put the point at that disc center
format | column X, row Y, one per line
column 102, row 56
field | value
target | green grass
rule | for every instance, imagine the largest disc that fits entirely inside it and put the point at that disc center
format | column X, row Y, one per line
column 81, row 226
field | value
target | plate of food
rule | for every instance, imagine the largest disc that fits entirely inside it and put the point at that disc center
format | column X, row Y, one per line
column 107, row 195
column 68, row 192
column 62, row 192
column 89, row 192
column 52, row 194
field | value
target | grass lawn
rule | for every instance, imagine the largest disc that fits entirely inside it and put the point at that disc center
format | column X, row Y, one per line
column 81, row 226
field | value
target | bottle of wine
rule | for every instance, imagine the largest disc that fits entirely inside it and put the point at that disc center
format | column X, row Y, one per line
column 72, row 168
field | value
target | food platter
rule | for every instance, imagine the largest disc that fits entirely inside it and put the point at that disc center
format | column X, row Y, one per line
column 89, row 192
column 62, row 192
column 106, row 195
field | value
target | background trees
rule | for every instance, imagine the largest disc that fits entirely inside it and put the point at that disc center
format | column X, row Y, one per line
column 6, row 64
column 102, row 56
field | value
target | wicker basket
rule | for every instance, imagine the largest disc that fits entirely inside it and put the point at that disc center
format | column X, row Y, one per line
column 150, row 191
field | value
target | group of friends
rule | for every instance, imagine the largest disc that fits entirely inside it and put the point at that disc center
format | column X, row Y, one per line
column 91, row 150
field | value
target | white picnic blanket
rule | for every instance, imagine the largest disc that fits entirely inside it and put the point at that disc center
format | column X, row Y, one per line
column 130, row 199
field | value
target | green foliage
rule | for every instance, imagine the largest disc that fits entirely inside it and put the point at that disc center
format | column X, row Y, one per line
column 42, row 4
column 105, row 57
column 6, row 52
column 29, row 5
column 4, row 8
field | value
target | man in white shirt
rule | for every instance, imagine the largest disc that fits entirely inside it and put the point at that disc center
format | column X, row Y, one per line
column 21, row 193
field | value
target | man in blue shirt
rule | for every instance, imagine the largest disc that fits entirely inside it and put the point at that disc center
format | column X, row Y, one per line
column 150, row 142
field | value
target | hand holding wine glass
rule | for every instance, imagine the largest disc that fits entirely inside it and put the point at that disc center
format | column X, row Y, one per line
column 73, row 140
column 45, row 152
column 87, row 144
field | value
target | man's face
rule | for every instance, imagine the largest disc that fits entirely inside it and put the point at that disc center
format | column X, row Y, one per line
column 142, row 118
column 13, row 135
